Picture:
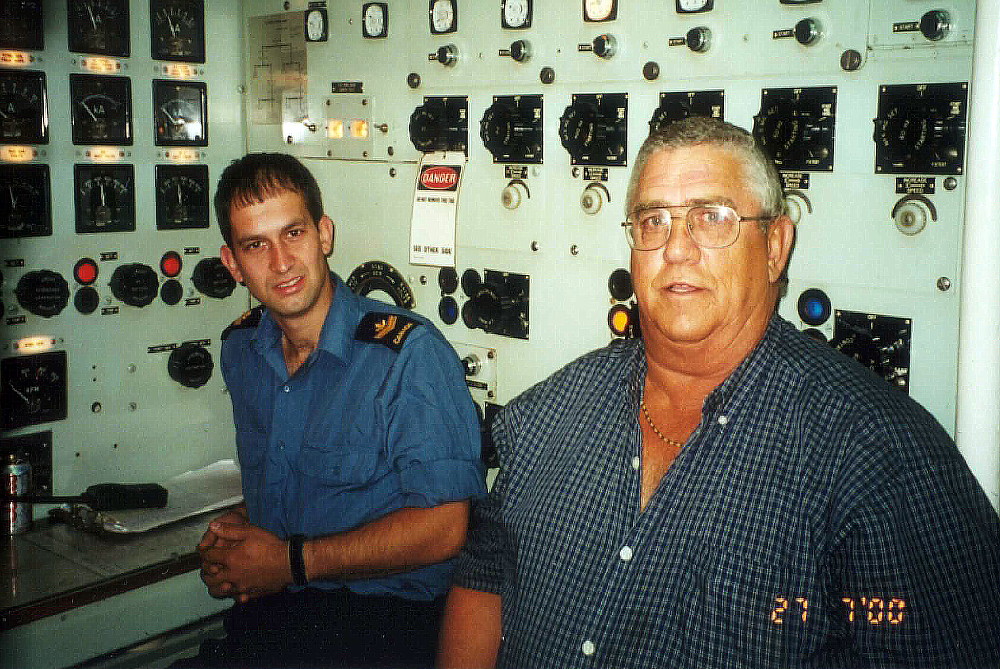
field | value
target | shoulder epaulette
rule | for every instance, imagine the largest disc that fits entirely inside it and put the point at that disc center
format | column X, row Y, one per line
column 249, row 319
column 388, row 329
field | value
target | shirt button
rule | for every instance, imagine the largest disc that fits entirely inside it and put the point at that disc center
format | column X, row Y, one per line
column 625, row 553
column 635, row 462
column 588, row 648
column 286, row 388
column 723, row 420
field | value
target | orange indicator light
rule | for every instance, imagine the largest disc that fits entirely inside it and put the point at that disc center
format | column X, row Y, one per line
column 17, row 154
column 101, row 65
column 335, row 129
column 359, row 129
column 15, row 58
column 619, row 320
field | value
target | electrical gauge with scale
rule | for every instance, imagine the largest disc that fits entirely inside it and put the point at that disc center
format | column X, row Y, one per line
column 595, row 11
column 515, row 14
column 105, row 198
column 178, row 30
column 317, row 26
column 21, row 25
column 25, row 209
column 102, row 109
column 181, row 113
column 181, row 197
column 443, row 16
column 98, row 26
column 375, row 20
column 693, row 6
column 24, row 113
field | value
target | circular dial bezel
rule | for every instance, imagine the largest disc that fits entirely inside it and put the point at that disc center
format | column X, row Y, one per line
column 516, row 14
column 375, row 20
column 443, row 16
column 596, row 11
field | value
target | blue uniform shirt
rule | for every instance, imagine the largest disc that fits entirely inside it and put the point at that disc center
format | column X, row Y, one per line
column 359, row 431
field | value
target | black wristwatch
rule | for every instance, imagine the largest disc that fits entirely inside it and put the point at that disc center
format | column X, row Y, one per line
column 295, row 559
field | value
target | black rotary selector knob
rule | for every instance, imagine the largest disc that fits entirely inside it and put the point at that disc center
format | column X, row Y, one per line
column 171, row 292
column 592, row 131
column 506, row 130
column 86, row 300
column 935, row 24
column 42, row 292
column 212, row 278
column 440, row 124
column 135, row 284
column 190, row 365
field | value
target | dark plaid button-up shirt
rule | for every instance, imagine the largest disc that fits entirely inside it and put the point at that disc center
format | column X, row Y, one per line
column 815, row 518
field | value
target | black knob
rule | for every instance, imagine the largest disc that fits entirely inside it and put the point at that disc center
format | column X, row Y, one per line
column 520, row 50
column 651, row 71
column 135, row 284
column 605, row 45
column 213, row 279
column 42, row 292
column 620, row 284
column 807, row 31
column 448, row 280
column 584, row 129
column 413, row 80
column 172, row 292
column 935, row 24
column 505, row 129
column 86, row 300
column 470, row 281
column 190, row 365
column 698, row 39
column 547, row 75
column 447, row 55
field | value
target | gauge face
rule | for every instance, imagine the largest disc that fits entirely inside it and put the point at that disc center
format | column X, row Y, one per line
column 181, row 197
column 33, row 389
column 102, row 109
column 178, row 30
column 693, row 6
column 24, row 201
column 600, row 10
column 316, row 25
column 515, row 14
column 444, row 16
column 98, row 26
column 21, row 25
column 24, row 112
column 375, row 20
column 181, row 113
column 105, row 198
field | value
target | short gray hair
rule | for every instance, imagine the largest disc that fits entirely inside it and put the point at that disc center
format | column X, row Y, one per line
column 765, row 182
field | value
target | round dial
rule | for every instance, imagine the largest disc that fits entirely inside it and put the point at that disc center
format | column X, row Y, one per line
column 99, row 26
column 105, row 198
column 688, row 6
column 102, row 109
column 599, row 10
column 375, row 20
column 178, row 30
column 181, row 197
column 212, row 278
column 24, row 201
column 42, row 292
column 316, row 25
column 24, row 116
column 516, row 13
column 443, row 16
column 190, row 365
column 375, row 277
column 181, row 113
column 135, row 284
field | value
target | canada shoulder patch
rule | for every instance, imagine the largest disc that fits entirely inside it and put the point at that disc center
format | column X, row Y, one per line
column 249, row 319
column 388, row 329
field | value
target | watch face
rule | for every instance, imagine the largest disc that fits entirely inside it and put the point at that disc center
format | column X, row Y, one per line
column 375, row 19
column 600, row 10
column 98, row 26
column 24, row 201
column 444, row 16
column 24, row 112
column 178, row 30
column 102, row 109
column 105, row 198
column 181, row 197
column 692, row 6
column 515, row 14
column 181, row 113
column 316, row 25
column 21, row 25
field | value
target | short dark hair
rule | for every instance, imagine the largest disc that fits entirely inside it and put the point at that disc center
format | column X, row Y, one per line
column 258, row 176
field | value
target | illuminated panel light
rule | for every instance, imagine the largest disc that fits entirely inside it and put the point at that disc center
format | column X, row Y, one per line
column 619, row 319
column 359, row 129
column 335, row 129
column 15, row 58
column 181, row 155
column 101, row 65
column 18, row 154
column 170, row 264
column 34, row 344
column 104, row 154
column 179, row 71
column 85, row 271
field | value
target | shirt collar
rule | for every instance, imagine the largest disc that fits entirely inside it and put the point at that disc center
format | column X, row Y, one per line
column 747, row 371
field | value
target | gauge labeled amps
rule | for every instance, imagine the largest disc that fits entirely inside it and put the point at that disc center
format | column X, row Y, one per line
column 180, row 113
column 24, row 106
column 101, row 109
column 177, row 30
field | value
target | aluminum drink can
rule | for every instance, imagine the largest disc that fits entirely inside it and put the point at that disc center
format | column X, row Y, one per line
column 17, row 481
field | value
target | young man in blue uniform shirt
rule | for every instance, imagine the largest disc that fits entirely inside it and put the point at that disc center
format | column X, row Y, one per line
column 358, row 446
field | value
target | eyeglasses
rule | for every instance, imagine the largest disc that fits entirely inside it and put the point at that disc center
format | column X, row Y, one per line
column 711, row 226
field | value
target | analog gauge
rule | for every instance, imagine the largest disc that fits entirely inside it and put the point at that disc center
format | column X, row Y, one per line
column 178, row 30
column 375, row 19
column 21, row 25
column 33, row 389
column 600, row 10
column 105, row 198
column 24, row 112
column 102, row 109
column 316, row 29
column 181, row 113
column 181, row 197
column 693, row 6
column 515, row 14
column 444, row 16
column 98, row 26
column 24, row 201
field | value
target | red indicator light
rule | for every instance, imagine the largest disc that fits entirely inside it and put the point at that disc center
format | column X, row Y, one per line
column 85, row 271
column 170, row 264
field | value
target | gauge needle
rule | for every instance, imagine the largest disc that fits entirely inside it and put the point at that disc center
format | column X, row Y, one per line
column 173, row 30
column 84, row 105
column 103, row 201
column 13, row 200
column 24, row 397
column 163, row 108
column 92, row 19
column 3, row 114
column 180, row 195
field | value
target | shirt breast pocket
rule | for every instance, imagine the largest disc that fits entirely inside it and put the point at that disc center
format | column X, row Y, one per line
column 337, row 468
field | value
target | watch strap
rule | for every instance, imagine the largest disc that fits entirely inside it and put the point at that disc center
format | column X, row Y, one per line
column 295, row 559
